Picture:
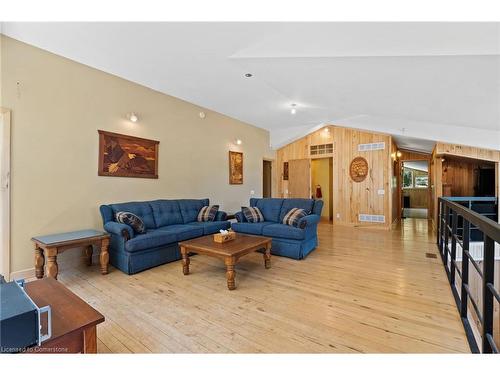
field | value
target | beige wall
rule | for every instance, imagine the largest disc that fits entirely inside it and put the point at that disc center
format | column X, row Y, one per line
column 56, row 112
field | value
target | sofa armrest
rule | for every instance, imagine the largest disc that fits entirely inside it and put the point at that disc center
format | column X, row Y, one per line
column 240, row 217
column 308, row 221
column 119, row 229
column 221, row 216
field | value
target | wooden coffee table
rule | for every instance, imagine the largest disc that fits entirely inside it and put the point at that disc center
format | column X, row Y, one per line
column 229, row 251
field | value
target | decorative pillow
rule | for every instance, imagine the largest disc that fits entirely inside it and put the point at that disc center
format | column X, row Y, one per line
column 293, row 216
column 252, row 214
column 208, row 213
column 131, row 219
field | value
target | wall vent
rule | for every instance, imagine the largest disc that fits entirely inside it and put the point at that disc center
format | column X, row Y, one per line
column 372, row 218
column 371, row 146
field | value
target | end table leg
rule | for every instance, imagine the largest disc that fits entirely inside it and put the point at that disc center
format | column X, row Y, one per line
column 230, row 273
column 39, row 262
column 90, row 340
column 88, row 254
column 267, row 257
column 104, row 256
column 52, row 267
column 185, row 261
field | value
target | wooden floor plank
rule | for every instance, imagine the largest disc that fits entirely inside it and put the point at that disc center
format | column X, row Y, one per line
column 362, row 290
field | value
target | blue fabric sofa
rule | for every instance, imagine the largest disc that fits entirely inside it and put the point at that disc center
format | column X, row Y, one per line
column 167, row 222
column 292, row 242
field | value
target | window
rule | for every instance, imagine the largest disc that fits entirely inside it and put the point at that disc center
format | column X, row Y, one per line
column 407, row 178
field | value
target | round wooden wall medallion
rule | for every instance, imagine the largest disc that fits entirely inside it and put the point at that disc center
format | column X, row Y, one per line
column 358, row 169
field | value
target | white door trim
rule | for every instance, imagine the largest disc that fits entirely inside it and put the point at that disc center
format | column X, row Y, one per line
column 5, row 125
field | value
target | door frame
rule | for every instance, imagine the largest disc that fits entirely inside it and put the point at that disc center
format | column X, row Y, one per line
column 5, row 120
column 272, row 176
column 400, row 185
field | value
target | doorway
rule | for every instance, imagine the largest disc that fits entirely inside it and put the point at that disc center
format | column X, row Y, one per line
column 5, row 193
column 415, row 189
column 322, row 185
column 267, row 178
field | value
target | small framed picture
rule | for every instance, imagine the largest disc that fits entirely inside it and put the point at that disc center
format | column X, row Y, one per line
column 235, row 168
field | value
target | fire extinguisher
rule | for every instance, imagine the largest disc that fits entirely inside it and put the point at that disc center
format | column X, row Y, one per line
column 319, row 194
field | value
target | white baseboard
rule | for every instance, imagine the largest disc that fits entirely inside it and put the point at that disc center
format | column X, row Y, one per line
column 64, row 260
column 26, row 274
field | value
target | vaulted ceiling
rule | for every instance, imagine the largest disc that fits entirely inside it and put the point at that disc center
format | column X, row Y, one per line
column 421, row 82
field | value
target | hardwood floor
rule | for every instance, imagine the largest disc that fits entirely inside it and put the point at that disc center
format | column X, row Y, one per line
column 362, row 290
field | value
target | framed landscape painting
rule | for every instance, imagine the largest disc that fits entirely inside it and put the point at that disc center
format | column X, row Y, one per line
column 235, row 168
column 126, row 156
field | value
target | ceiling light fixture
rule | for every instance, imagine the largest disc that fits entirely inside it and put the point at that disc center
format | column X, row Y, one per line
column 133, row 117
column 294, row 108
column 248, row 75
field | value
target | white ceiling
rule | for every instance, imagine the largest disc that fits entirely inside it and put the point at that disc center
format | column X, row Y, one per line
column 421, row 82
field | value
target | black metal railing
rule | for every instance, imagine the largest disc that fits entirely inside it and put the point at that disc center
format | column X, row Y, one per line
column 456, row 222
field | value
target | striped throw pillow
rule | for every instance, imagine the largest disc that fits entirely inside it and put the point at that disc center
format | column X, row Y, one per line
column 208, row 213
column 131, row 219
column 252, row 214
column 293, row 216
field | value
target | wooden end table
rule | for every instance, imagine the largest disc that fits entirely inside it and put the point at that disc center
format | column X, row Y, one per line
column 47, row 247
column 74, row 322
column 229, row 252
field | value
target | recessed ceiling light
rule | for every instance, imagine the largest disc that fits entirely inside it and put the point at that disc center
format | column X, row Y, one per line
column 294, row 109
column 248, row 75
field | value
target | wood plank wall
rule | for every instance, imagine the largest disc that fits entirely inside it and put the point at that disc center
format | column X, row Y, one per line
column 349, row 198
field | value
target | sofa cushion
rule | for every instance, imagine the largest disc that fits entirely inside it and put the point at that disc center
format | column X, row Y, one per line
column 250, row 228
column 293, row 216
column 252, row 214
column 141, row 209
column 182, row 232
column 166, row 212
column 149, row 240
column 131, row 220
column 207, row 213
column 210, row 227
column 190, row 208
column 283, row 231
column 270, row 207
column 288, row 204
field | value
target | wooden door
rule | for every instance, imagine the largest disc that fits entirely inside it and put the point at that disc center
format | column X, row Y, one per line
column 266, row 179
column 299, row 178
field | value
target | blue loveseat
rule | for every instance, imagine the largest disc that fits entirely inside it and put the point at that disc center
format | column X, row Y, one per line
column 292, row 242
column 167, row 222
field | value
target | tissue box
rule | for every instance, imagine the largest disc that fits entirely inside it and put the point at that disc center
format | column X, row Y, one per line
column 221, row 238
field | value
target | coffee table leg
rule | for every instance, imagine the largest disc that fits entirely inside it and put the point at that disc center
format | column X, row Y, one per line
column 185, row 261
column 230, row 273
column 39, row 262
column 267, row 257
column 104, row 256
